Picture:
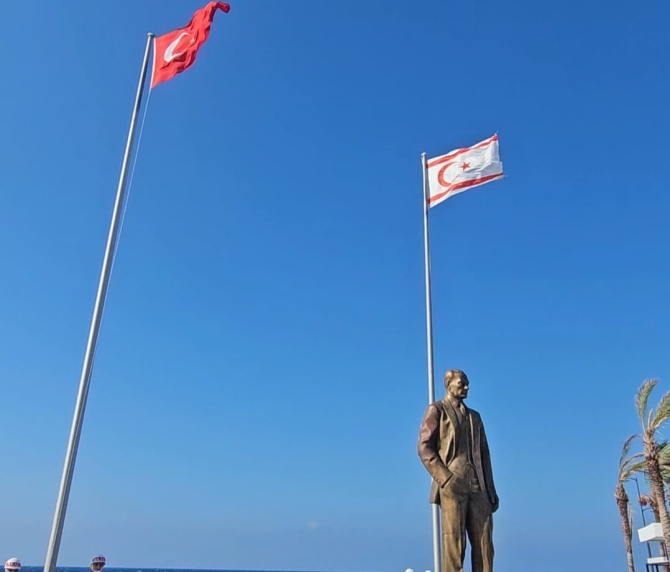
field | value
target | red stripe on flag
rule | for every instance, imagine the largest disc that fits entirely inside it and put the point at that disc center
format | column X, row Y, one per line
column 464, row 185
column 458, row 152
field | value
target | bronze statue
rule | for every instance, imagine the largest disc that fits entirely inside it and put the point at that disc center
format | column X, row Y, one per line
column 453, row 448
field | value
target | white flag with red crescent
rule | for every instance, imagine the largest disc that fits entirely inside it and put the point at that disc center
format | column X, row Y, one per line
column 463, row 169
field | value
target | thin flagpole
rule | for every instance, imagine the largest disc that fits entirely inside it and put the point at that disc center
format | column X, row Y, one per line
column 437, row 546
column 87, row 368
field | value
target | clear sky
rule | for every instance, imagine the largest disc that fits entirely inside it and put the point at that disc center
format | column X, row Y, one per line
column 261, row 376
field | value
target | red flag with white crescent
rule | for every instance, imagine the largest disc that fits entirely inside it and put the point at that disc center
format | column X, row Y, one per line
column 463, row 169
column 176, row 51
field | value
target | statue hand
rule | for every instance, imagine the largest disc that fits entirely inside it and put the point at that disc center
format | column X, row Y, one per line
column 495, row 504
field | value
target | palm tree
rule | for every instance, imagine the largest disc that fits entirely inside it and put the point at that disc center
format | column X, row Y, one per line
column 664, row 462
column 628, row 466
column 651, row 421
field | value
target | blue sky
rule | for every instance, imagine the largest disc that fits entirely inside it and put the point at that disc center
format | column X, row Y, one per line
column 260, row 376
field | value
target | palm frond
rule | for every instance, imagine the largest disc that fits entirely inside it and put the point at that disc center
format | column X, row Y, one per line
column 637, row 464
column 623, row 459
column 662, row 413
column 664, row 460
column 629, row 464
column 642, row 398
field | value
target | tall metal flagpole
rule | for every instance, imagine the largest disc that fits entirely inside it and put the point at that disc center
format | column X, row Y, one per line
column 437, row 545
column 85, row 380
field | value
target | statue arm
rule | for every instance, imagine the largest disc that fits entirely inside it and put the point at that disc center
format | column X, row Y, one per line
column 488, row 469
column 428, row 446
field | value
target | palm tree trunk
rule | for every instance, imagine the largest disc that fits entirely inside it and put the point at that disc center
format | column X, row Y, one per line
column 654, row 508
column 656, row 485
column 622, row 502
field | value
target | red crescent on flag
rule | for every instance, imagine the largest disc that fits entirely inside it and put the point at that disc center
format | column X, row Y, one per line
column 440, row 175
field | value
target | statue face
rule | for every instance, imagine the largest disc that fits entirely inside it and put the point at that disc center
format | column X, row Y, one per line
column 459, row 386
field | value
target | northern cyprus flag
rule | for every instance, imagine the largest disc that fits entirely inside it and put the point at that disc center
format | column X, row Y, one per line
column 463, row 169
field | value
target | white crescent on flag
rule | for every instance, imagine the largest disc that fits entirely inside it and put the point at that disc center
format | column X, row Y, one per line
column 463, row 169
column 170, row 54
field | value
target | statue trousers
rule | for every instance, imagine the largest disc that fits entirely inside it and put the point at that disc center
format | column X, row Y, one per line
column 466, row 513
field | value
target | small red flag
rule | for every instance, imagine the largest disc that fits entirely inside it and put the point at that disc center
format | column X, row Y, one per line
column 176, row 51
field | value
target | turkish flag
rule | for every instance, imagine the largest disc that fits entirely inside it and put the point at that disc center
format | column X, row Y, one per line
column 176, row 51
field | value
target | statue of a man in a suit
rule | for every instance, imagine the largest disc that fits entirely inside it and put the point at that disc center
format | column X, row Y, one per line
column 453, row 448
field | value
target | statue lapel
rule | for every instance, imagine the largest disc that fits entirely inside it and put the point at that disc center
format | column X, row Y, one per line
column 451, row 412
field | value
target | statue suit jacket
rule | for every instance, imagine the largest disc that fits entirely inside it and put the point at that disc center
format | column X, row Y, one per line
column 437, row 447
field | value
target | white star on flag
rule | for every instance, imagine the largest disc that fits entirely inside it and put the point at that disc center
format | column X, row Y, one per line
column 463, row 169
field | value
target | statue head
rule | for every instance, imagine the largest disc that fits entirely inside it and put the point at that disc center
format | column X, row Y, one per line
column 456, row 384
column 98, row 563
